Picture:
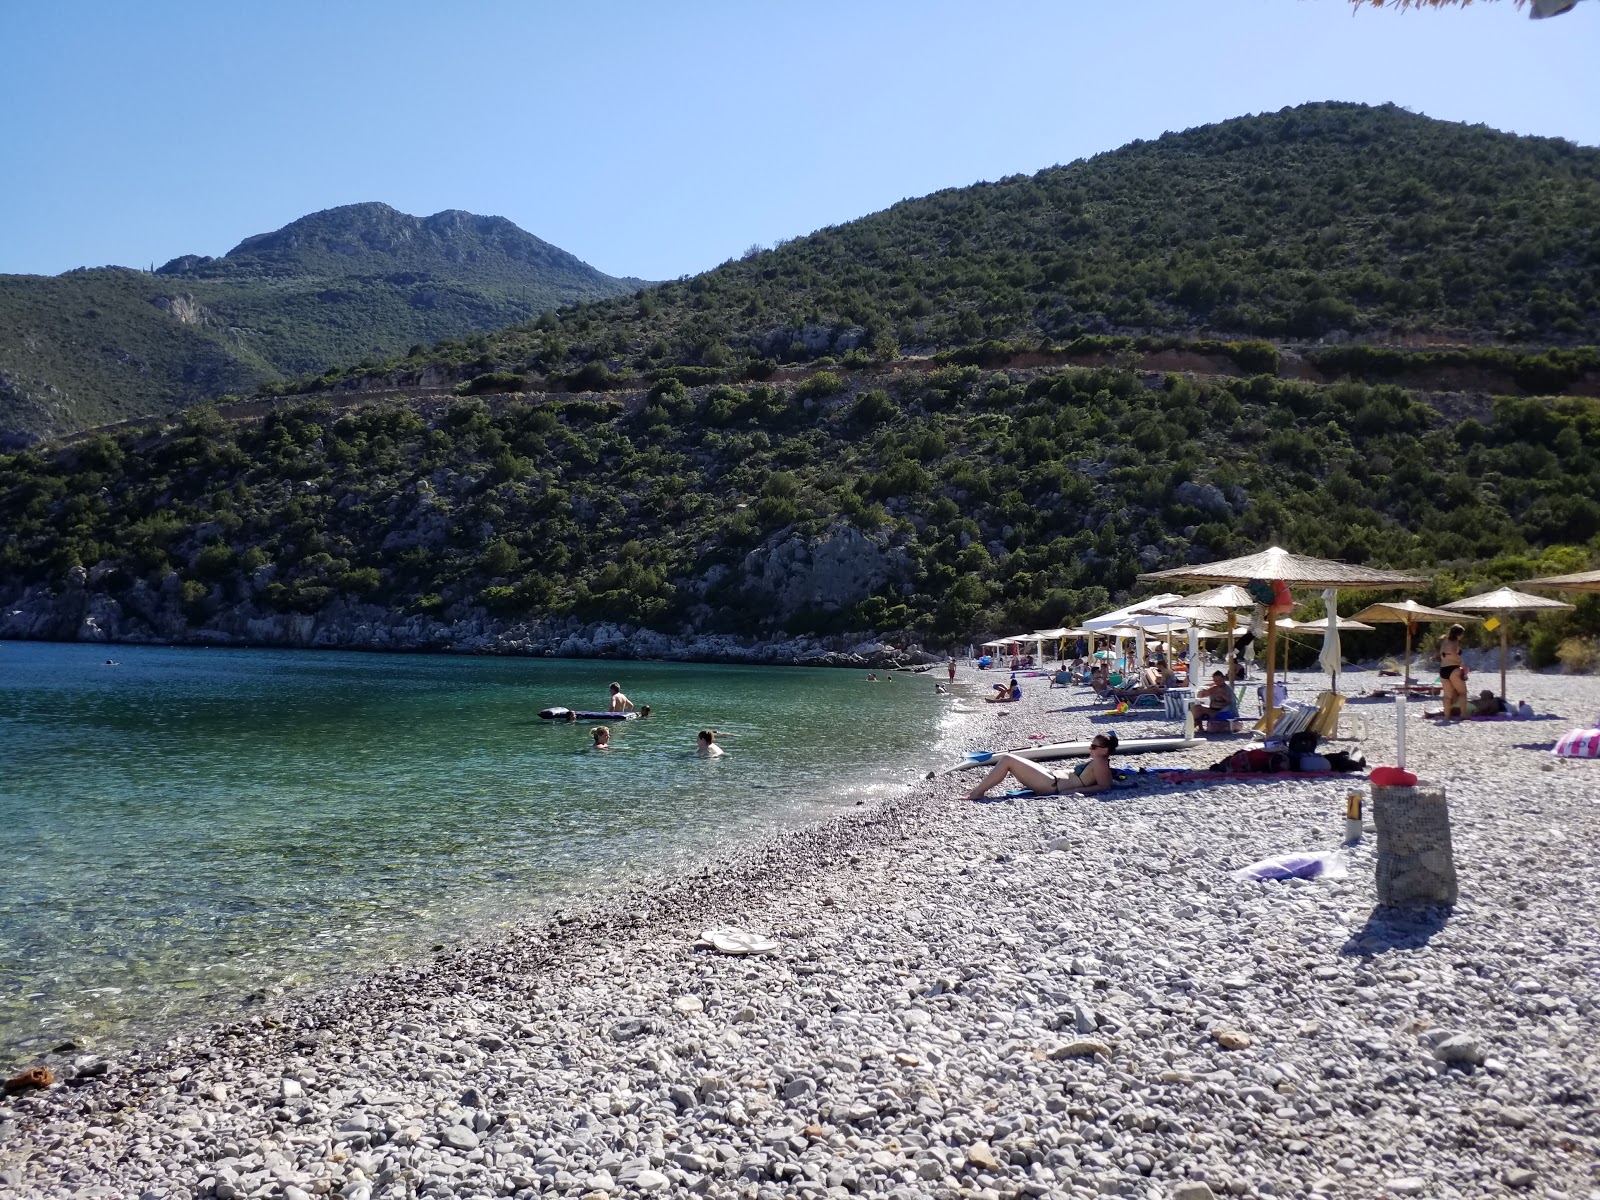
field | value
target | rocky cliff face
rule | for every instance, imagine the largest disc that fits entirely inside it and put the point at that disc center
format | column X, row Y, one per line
column 836, row 570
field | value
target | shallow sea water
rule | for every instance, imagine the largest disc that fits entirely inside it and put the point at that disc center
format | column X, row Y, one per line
column 189, row 829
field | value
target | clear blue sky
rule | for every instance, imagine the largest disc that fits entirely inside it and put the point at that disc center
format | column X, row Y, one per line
column 657, row 139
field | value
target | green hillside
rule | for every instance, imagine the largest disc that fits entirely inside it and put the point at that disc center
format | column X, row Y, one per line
column 945, row 504
column 1290, row 225
column 645, row 462
column 357, row 283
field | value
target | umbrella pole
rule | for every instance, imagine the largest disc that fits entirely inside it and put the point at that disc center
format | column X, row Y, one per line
column 1408, row 657
column 1505, row 637
column 1269, row 718
column 1229, row 664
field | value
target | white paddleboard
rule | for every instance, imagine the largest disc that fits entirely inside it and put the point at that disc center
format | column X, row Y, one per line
column 1055, row 750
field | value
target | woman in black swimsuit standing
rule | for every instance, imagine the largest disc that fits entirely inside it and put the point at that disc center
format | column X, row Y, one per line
column 1092, row 776
column 1452, row 674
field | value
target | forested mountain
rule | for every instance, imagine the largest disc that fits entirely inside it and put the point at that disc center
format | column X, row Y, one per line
column 1321, row 219
column 361, row 282
column 647, row 468
column 940, row 504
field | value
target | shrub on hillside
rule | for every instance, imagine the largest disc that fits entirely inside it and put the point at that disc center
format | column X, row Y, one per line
column 823, row 383
column 491, row 382
column 1579, row 655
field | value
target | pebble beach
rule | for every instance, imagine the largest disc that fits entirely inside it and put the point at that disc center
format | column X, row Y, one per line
column 1059, row 996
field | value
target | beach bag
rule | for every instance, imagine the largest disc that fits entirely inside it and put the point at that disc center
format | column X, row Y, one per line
column 1304, row 742
column 1312, row 762
column 1579, row 743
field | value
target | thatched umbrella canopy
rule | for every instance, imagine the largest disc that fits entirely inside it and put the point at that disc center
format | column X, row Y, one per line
column 1583, row 581
column 1541, row 8
column 1411, row 614
column 1501, row 603
column 1295, row 570
column 1226, row 599
column 1346, row 625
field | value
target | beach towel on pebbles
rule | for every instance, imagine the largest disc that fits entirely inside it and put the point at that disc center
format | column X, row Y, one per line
column 1579, row 743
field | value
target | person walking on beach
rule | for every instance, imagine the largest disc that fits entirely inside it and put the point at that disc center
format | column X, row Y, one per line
column 951, row 667
column 619, row 702
column 1453, row 674
column 1092, row 776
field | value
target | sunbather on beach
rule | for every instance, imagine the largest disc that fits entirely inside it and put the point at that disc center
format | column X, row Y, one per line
column 1217, row 702
column 1487, row 704
column 1006, row 693
column 1091, row 776
column 1154, row 681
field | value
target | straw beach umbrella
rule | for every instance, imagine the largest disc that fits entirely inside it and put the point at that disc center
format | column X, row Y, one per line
column 1583, row 581
column 1294, row 570
column 1500, row 604
column 1411, row 614
column 1228, row 598
column 1540, row 8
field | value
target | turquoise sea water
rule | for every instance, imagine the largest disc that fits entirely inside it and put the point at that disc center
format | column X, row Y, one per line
column 188, row 827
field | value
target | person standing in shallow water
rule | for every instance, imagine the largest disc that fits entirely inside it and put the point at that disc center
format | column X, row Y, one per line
column 619, row 702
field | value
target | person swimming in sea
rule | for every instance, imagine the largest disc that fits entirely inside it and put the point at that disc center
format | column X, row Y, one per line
column 602, row 737
column 1091, row 776
column 706, row 744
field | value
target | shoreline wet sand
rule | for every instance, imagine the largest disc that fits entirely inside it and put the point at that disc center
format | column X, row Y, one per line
column 1031, row 997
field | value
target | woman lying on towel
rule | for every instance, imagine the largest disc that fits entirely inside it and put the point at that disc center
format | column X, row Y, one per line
column 1091, row 776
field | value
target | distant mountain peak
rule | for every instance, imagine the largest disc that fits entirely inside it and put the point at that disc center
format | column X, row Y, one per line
column 375, row 237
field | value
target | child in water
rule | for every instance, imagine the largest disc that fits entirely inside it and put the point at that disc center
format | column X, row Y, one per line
column 706, row 744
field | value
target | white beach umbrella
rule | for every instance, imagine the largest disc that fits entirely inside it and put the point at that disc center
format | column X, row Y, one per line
column 1332, row 658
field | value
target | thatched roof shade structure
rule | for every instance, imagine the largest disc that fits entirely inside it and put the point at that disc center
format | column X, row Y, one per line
column 1502, row 602
column 1583, row 581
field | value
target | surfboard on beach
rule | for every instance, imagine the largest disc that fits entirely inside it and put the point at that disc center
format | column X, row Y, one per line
column 560, row 714
column 1055, row 750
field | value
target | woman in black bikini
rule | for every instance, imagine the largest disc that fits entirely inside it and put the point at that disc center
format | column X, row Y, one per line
column 1091, row 776
column 1452, row 675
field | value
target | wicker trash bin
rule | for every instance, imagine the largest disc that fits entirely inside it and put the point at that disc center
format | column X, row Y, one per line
column 1416, row 864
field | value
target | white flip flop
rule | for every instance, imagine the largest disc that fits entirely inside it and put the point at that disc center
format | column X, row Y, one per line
column 737, row 941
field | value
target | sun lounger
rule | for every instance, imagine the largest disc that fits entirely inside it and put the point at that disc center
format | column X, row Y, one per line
column 1326, row 720
column 1291, row 720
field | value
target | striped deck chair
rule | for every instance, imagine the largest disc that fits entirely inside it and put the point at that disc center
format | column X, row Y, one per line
column 1291, row 719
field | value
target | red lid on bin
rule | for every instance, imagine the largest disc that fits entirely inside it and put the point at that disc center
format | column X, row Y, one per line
column 1392, row 777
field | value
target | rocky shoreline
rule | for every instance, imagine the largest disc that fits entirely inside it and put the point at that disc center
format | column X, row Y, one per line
column 1042, row 997
column 79, row 612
